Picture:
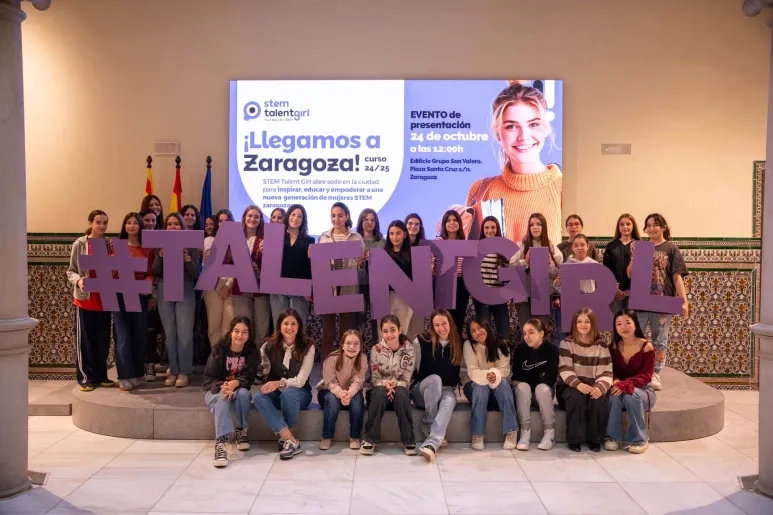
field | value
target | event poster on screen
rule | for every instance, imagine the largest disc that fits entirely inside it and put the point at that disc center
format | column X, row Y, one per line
column 396, row 146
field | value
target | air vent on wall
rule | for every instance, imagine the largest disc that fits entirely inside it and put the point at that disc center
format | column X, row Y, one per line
column 166, row 148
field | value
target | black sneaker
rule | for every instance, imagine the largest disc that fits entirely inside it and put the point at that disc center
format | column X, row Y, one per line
column 594, row 447
column 280, row 444
column 575, row 447
column 428, row 453
column 410, row 450
column 242, row 443
column 107, row 383
column 221, row 456
column 290, row 449
column 150, row 372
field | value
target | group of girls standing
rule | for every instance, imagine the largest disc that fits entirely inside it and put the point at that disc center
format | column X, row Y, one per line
column 592, row 381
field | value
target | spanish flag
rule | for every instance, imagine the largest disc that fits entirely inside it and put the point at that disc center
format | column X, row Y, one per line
column 149, row 182
column 177, row 191
column 149, row 179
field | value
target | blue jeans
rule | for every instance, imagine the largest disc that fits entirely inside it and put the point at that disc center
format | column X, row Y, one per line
column 501, row 317
column 131, row 339
column 178, row 319
column 331, row 405
column 637, row 405
column 438, row 403
column 481, row 398
column 221, row 408
column 280, row 303
column 291, row 401
column 659, row 324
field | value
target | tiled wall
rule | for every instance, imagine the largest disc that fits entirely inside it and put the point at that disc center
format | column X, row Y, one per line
column 714, row 343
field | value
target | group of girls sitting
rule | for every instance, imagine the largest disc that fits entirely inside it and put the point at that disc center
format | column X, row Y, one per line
column 592, row 381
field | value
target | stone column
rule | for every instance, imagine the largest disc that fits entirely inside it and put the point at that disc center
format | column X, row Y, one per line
column 764, row 329
column 15, row 323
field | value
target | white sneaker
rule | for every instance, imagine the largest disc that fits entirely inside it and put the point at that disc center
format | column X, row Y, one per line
column 656, row 384
column 638, row 448
column 523, row 442
column 125, row 385
column 611, row 445
column 510, row 440
column 548, row 439
column 477, row 443
column 135, row 381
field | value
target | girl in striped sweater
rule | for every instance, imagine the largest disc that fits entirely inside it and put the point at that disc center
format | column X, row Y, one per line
column 489, row 270
column 585, row 377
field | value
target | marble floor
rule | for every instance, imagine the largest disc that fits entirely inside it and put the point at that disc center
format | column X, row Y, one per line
column 97, row 474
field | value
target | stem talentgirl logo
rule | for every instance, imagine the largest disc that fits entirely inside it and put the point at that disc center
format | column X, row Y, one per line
column 273, row 110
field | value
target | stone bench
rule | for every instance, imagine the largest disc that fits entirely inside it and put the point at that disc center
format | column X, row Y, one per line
column 686, row 409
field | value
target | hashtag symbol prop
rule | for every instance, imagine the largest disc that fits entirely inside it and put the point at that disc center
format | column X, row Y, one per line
column 108, row 284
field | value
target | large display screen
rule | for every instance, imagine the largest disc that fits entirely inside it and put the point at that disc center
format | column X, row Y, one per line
column 482, row 147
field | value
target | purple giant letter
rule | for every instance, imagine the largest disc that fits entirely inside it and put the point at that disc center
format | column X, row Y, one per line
column 446, row 252
column 384, row 272
column 173, row 243
column 515, row 289
column 230, row 235
column 326, row 280
column 598, row 301
column 641, row 281
column 271, row 280
column 539, row 270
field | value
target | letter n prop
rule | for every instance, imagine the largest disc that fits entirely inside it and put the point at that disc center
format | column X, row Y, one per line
column 230, row 235
column 384, row 272
column 643, row 253
column 271, row 280
column 446, row 252
column 572, row 299
column 326, row 281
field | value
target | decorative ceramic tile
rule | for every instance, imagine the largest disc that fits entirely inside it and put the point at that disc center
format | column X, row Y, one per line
column 759, row 181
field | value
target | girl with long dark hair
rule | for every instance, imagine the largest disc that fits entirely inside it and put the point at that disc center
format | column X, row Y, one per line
column 617, row 256
column 286, row 362
column 131, row 337
column 228, row 376
column 451, row 229
column 296, row 263
column 487, row 358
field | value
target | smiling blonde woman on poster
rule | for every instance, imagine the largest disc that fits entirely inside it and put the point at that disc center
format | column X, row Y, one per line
column 525, row 184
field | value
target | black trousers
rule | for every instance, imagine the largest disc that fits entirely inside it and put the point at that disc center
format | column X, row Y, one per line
column 378, row 403
column 585, row 416
column 92, row 345
column 154, row 328
column 459, row 313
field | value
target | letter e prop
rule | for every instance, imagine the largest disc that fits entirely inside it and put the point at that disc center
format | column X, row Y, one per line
column 271, row 280
column 230, row 235
column 325, row 280
column 641, row 282
column 384, row 272
column 173, row 243
column 598, row 301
